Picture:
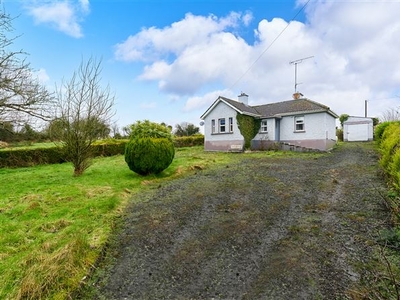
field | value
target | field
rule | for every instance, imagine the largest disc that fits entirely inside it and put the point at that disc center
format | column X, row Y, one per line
column 53, row 226
column 210, row 212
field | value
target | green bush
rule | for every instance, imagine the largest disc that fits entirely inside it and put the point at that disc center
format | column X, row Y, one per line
column 189, row 141
column 149, row 129
column 394, row 168
column 25, row 157
column 379, row 130
column 248, row 127
column 31, row 156
column 389, row 147
column 145, row 155
column 109, row 147
column 389, row 144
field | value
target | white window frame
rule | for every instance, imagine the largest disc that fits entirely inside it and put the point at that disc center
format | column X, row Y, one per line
column 299, row 123
column 230, row 124
column 264, row 126
column 222, row 125
column 212, row 126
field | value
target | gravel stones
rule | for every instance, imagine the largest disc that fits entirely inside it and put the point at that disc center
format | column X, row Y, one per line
column 285, row 227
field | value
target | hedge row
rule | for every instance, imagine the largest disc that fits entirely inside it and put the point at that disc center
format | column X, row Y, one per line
column 26, row 157
column 189, row 141
column 388, row 140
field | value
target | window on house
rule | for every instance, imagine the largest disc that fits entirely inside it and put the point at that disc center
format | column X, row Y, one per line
column 230, row 124
column 264, row 126
column 213, row 126
column 221, row 125
column 299, row 123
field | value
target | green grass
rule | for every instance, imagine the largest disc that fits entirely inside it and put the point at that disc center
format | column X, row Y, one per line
column 27, row 145
column 53, row 225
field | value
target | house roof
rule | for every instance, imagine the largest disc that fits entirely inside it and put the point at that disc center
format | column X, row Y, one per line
column 352, row 120
column 292, row 107
column 274, row 110
column 236, row 105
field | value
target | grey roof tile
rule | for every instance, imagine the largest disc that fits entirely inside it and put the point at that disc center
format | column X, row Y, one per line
column 291, row 106
column 241, row 106
column 277, row 109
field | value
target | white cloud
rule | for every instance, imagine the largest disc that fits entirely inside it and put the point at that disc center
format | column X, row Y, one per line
column 355, row 47
column 152, row 43
column 65, row 16
column 247, row 18
column 198, row 102
column 85, row 5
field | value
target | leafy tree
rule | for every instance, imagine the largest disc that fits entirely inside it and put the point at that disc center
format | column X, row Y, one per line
column 148, row 129
column 84, row 110
column 7, row 132
column 27, row 133
column 186, row 129
column 21, row 95
column 375, row 121
column 343, row 118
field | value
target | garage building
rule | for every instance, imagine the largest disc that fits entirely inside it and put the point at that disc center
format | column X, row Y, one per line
column 358, row 129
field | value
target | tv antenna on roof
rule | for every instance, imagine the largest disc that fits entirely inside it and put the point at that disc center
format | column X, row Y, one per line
column 295, row 63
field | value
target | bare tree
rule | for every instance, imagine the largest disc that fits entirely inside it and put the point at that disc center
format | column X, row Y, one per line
column 83, row 108
column 21, row 95
column 392, row 114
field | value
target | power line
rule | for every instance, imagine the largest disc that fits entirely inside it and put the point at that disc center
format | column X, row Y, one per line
column 270, row 45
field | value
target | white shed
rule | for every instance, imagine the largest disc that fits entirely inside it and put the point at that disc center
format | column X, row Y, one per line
column 358, row 129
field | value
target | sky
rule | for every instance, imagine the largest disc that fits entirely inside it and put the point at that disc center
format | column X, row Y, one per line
column 169, row 60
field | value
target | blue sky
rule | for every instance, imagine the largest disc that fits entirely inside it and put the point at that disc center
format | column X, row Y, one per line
column 167, row 61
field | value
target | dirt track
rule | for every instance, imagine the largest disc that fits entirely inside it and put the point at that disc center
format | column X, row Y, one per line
column 296, row 227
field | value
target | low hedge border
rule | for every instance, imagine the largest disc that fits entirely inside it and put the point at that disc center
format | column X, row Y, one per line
column 27, row 157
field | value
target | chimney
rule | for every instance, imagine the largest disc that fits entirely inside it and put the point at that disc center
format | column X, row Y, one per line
column 244, row 98
column 297, row 95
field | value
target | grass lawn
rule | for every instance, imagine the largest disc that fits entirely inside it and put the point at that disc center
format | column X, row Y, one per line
column 53, row 225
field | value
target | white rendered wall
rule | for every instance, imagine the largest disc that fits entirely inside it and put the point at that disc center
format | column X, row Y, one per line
column 227, row 141
column 270, row 135
column 358, row 129
column 317, row 126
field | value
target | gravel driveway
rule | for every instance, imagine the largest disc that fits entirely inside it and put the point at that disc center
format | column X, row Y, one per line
column 285, row 227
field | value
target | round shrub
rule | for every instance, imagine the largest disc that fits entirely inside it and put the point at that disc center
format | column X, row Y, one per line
column 147, row 155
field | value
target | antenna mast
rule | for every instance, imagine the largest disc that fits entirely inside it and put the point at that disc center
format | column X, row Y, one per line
column 295, row 63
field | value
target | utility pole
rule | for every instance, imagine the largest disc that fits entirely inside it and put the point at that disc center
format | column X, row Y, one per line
column 295, row 63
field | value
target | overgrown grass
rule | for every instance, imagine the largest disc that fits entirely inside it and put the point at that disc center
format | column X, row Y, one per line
column 53, row 226
column 29, row 145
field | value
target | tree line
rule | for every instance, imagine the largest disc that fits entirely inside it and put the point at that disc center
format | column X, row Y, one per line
column 79, row 112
